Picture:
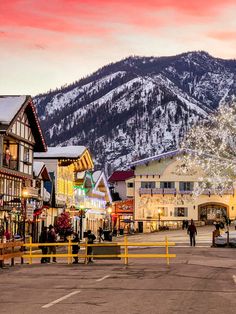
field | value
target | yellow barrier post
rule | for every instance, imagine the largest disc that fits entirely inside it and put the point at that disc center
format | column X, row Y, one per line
column 167, row 252
column 86, row 251
column 30, row 250
column 69, row 260
column 126, row 250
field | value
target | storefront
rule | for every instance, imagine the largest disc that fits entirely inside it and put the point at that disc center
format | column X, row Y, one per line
column 123, row 215
column 210, row 212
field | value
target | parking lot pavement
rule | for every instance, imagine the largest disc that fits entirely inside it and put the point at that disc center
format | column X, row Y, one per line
column 180, row 237
column 199, row 280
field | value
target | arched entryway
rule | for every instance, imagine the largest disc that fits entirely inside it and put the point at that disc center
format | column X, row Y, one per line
column 209, row 212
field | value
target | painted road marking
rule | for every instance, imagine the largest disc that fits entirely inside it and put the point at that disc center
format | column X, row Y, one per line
column 101, row 279
column 60, row 299
column 234, row 279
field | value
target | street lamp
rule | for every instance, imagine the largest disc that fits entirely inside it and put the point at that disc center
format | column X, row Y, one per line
column 159, row 218
column 24, row 196
column 81, row 214
column 109, row 210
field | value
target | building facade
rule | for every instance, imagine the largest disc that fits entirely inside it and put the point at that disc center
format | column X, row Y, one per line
column 92, row 197
column 165, row 198
column 64, row 165
column 20, row 137
column 118, row 184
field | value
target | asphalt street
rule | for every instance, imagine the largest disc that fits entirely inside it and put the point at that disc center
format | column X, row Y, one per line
column 199, row 280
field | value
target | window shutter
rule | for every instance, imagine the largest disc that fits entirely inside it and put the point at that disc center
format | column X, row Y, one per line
column 176, row 212
column 186, row 212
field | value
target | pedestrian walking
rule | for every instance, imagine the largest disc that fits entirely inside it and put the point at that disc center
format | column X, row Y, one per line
column 76, row 247
column 52, row 238
column 91, row 238
column 100, row 234
column 43, row 238
column 192, row 231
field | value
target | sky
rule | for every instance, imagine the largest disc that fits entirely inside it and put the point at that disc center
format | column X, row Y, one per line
column 46, row 44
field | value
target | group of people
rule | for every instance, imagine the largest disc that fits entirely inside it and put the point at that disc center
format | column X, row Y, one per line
column 48, row 235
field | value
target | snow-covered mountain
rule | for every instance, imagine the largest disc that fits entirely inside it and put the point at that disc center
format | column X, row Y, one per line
column 137, row 107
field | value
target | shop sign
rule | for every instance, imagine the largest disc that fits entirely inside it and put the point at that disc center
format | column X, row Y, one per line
column 124, row 206
column 30, row 211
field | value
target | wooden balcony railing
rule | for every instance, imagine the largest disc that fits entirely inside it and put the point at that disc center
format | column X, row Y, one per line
column 156, row 191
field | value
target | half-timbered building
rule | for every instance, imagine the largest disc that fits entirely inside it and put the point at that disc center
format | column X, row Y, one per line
column 20, row 137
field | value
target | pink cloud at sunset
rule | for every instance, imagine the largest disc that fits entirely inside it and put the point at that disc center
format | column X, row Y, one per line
column 92, row 33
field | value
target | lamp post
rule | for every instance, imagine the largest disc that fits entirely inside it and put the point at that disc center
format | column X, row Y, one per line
column 109, row 210
column 159, row 218
column 81, row 222
column 24, row 197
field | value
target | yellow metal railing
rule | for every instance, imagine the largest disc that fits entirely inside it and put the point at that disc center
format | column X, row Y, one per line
column 126, row 255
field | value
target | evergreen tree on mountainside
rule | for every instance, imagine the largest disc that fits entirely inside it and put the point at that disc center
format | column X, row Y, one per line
column 137, row 106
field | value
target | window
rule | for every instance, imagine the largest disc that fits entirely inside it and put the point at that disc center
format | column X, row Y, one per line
column 130, row 184
column 167, row 185
column 12, row 190
column 148, row 185
column 10, row 156
column 26, row 157
column 181, row 212
column 186, row 186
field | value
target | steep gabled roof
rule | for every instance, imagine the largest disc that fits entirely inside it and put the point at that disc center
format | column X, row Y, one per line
column 62, row 152
column 10, row 108
column 99, row 177
column 40, row 168
column 169, row 154
column 121, row 175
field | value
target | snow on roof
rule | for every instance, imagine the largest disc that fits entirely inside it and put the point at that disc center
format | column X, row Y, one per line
column 158, row 157
column 96, row 175
column 80, row 175
column 9, row 106
column 37, row 167
column 62, row 152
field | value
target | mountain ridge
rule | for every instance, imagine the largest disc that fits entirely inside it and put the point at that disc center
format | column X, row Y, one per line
column 136, row 107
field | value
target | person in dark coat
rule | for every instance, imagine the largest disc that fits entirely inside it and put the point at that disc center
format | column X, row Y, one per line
column 43, row 238
column 100, row 234
column 76, row 247
column 52, row 238
column 91, row 238
column 192, row 231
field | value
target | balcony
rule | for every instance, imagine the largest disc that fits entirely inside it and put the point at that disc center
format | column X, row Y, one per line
column 145, row 191
column 157, row 191
column 185, row 192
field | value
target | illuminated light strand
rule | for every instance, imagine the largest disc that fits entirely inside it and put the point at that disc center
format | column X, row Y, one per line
column 212, row 151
